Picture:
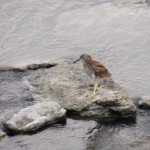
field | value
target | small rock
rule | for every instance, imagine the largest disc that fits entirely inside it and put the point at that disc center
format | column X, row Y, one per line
column 35, row 117
column 145, row 102
column 38, row 66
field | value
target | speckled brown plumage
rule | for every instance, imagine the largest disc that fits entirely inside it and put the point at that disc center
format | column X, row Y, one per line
column 99, row 70
column 94, row 69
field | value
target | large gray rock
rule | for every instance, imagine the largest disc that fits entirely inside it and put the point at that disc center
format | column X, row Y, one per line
column 145, row 102
column 34, row 117
column 69, row 85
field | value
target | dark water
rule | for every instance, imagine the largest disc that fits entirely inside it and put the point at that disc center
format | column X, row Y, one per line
column 125, row 135
column 13, row 94
column 113, row 31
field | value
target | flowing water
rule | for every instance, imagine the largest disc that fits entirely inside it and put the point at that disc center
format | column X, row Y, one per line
column 116, row 32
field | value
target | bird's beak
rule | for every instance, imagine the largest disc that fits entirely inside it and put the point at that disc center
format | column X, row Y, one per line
column 76, row 60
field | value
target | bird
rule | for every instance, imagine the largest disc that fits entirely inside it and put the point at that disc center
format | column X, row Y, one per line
column 93, row 69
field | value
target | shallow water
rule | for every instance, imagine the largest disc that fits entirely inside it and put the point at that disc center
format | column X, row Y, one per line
column 72, row 136
column 113, row 31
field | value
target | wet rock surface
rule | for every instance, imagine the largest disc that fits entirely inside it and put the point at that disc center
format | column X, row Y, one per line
column 68, row 85
column 35, row 117
column 145, row 102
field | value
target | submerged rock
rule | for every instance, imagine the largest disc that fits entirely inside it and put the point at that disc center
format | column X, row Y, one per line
column 145, row 102
column 69, row 86
column 35, row 117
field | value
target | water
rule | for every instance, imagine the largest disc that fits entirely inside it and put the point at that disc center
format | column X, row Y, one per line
column 125, row 135
column 113, row 31
column 71, row 136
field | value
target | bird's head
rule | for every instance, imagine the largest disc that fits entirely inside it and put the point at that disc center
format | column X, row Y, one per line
column 84, row 58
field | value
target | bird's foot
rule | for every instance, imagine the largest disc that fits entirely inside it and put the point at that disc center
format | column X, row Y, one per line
column 92, row 96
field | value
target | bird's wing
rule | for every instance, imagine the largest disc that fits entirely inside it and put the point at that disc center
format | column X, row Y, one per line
column 100, row 70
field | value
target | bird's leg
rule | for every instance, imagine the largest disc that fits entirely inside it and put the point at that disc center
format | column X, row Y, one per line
column 95, row 89
column 98, row 87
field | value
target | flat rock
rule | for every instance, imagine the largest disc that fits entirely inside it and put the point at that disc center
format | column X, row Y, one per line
column 68, row 85
column 35, row 117
column 145, row 102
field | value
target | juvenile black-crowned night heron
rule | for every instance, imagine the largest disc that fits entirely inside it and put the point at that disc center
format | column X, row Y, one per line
column 94, row 69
